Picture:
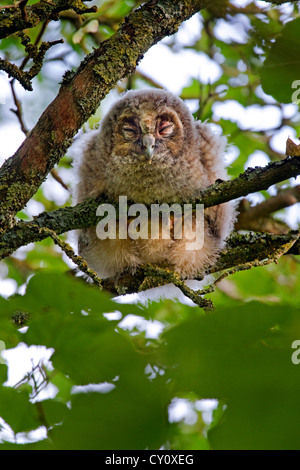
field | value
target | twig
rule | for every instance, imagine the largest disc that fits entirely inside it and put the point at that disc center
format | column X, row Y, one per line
column 34, row 53
column 256, row 263
column 68, row 250
column 18, row 112
column 13, row 71
column 283, row 199
column 36, row 42
column 22, row 5
column 5, row 7
column 167, row 276
column 17, row 17
column 58, row 179
column 252, row 180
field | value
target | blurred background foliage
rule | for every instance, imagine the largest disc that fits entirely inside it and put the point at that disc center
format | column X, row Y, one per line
column 223, row 381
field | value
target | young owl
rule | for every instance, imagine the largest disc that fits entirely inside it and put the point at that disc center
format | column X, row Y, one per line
column 150, row 149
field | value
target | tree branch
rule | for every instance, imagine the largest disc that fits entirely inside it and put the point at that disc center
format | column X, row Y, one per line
column 14, row 18
column 80, row 95
column 83, row 215
column 242, row 252
column 283, row 199
column 252, row 180
column 36, row 54
column 281, row 2
column 258, row 217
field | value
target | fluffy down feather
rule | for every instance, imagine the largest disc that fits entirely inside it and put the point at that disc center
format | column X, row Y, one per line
column 185, row 157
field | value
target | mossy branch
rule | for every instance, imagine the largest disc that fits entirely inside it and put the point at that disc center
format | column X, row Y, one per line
column 83, row 215
column 17, row 17
column 37, row 54
column 242, row 252
column 252, row 180
column 68, row 250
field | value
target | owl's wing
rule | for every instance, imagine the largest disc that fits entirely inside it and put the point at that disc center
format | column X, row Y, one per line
column 211, row 150
column 91, row 182
column 220, row 218
column 90, row 168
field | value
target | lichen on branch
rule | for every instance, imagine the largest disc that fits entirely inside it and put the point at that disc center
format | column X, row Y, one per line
column 37, row 54
column 18, row 17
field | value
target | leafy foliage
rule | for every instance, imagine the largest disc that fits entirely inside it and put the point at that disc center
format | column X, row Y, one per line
column 114, row 387
column 240, row 355
column 282, row 64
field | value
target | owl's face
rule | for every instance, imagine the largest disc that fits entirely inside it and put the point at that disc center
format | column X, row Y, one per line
column 148, row 135
column 143, row 127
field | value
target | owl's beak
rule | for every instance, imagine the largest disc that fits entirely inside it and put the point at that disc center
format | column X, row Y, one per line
column 149, row 146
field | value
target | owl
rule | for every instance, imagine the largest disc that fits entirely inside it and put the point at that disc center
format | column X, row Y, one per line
column 150, row 149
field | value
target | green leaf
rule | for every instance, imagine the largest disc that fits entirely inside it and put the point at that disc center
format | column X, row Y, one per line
column 87, row 349
column 242, row 356
column 53, row 411
column 64, row 385
column 8, row 332
column 3, row 372
column 282, row 66
column 192, row 91
column 120, row 8
column 67, row 315
column 17, row 411
column 49, row 292
column 129, row 417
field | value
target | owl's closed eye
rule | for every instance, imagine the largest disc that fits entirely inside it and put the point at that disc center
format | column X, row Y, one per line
column 149, row 139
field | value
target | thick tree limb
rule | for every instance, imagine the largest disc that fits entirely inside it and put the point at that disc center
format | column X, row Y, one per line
column 80, row 95
column 241, row 250
column 59, row 221
column 83, row 215
column 252, row 180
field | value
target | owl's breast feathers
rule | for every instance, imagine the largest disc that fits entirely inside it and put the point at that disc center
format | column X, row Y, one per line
column 165, row 179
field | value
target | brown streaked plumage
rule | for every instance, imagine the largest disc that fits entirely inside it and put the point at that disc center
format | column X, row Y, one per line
column 150, row 149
